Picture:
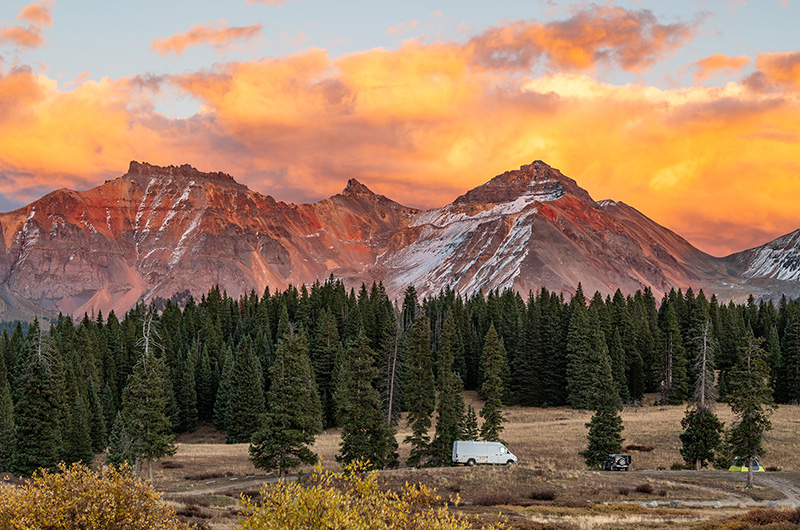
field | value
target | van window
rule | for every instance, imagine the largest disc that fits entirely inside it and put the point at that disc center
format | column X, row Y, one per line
column 503, row 450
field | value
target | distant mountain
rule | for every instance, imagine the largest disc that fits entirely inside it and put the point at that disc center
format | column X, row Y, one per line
column 157, row 230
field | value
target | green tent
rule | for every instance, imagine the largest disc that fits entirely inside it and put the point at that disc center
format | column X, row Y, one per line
column 740, row 464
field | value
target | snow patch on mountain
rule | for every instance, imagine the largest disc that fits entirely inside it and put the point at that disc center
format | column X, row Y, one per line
column 778, row 259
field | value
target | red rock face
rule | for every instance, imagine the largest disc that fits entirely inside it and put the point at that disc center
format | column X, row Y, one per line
column 160, row 230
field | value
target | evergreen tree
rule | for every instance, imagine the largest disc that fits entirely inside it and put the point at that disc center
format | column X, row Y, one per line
column 143, row 412
column 143, row 415
column 605, row 427
column 6, row 419
column 37, row 427
column 224, row 389
column 187, row 395
column 294, row 416
column 526, row 383
column 97, row 422
column 701, row 437
column 420, row 394
column 702, row 433
column 246, row 395
column 365, row 433
column 674, row 386
column 492, row 388
column 616, row 352
column 450, row 405
column 750, row 398
column 120, row 449
column 204, row 387
column 469, row 425
column 580, row 350
column 788, row 390
column 77, row 436
column 326, row 356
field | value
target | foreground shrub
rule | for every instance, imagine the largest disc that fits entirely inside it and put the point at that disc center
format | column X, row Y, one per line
column 768, row 519
column 543, row 495
column 645, row 488
column 350, row 500
column 79, row 498
column 497, row 498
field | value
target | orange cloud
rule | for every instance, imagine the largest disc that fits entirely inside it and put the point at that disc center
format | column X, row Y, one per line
column 422, row 124
column 705, row 68
column 219, row 37
column 781, row 69
column 633, row 40
column 37, row 14
column 26, row 37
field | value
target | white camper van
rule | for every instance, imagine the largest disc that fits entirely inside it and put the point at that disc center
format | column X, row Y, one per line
column 471, row 452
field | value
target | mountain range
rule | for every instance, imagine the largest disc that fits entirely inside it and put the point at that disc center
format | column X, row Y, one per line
column 157, row 230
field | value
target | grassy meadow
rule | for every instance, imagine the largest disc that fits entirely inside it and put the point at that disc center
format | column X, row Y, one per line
column 549, row 489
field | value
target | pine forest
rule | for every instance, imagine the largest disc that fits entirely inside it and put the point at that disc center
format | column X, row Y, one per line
column 274, row 370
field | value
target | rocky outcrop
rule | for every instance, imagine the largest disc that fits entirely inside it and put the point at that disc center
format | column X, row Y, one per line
column 160, row 230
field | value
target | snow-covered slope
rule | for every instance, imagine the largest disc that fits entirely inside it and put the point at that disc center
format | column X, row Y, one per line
column 777, row 260
column 160, row 230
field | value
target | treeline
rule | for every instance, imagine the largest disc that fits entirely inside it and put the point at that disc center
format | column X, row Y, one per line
column 228, row 362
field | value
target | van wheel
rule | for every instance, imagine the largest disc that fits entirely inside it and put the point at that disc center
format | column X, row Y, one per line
column 471, row 462
column 510, row 463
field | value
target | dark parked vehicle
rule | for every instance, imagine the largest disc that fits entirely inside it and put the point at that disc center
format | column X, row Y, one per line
column 617, row 463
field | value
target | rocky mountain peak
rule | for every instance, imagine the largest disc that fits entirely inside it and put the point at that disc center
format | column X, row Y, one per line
column 356, row 189
column 185, row 171
column 537, row 180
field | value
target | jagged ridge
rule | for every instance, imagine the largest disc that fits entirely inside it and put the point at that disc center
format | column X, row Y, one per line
column 159, row 230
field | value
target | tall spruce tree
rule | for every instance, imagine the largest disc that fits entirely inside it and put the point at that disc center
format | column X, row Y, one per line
column 186, row 395
column 605, row 427
column 246, row 395
column 294, row 415
column 6, row 419
column 702, row 433
column 97, row 422
column 365, row 433
column 37, row 426
column 77, row 436
column 205, row 388
column 674, row 386
column 120, row 449
column 420, row 391
column 581, row 367
column 326, row 356
column 144, row 420
column 469, row 425
column 493, row 388
column 223, row 389
column 450, row 405
column 750, row 398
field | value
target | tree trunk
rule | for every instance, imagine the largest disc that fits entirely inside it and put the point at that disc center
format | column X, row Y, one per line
column 698, row 464
column 749, row 485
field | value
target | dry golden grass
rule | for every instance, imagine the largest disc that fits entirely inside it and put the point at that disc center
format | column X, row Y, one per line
column 546, row 441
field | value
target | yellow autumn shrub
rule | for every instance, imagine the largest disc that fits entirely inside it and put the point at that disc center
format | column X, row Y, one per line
column 352, row 500
column 77, row 498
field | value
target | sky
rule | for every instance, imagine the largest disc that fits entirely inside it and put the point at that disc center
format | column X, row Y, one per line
column 688, row 110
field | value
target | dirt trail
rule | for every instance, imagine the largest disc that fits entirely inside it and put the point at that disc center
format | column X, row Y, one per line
column 788, row 484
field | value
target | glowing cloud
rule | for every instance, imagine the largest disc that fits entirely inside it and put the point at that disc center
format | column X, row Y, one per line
column 632, row 40
column 220, row 37
column 705, row 68
column 781, row 68
column 423, row 123
column 37, row 15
